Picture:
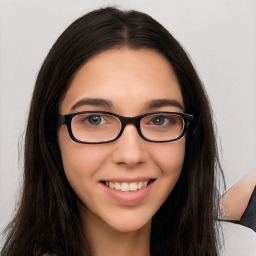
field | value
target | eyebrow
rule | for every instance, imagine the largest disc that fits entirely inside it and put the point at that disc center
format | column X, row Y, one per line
column 163, row 103
column 93, row 102
column 98, row 102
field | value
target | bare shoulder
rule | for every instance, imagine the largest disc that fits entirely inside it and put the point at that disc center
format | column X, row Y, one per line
column 236, row 199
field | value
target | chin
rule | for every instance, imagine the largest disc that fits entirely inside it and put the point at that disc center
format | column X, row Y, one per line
column 130, row 226
column 129, row 223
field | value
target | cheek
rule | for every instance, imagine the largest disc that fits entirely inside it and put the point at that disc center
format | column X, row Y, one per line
column 80, row 161
column 170, row 156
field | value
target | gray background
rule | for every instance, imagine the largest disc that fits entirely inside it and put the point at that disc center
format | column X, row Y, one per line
column 220, row 36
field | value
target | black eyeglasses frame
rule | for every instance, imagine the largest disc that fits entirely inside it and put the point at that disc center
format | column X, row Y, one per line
column 67, row 119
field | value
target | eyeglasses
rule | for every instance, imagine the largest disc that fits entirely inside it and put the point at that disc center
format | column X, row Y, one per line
column 97, row 127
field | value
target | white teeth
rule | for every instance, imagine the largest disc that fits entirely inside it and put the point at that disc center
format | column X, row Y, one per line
column 144, row 184
column 133, row 186
column 140, row 184
column 125, row 186
column 117, row 186
column 111, row 184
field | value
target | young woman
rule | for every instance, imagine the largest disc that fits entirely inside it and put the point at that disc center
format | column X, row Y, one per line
column 120, row 151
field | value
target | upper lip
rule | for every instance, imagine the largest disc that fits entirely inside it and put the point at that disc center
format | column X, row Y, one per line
column 128, row 180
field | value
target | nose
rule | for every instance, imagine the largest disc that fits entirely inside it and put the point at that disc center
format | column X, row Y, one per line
column 130, row 148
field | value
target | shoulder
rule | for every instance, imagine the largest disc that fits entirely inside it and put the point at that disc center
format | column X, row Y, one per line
column 237, row 240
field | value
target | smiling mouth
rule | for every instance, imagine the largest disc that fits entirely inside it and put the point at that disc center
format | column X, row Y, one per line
column 127, row 186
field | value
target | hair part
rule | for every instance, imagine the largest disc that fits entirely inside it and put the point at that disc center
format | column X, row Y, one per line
column 48, row 216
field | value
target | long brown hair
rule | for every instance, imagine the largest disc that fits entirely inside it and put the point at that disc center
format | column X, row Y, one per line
column 48, row 217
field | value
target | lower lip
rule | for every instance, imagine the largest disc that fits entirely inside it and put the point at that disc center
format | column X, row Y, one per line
column 128, row 198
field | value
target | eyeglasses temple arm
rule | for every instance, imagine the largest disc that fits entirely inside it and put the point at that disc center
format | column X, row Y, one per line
column 61, row 119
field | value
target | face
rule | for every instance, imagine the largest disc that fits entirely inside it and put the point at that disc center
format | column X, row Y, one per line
column 129, row 83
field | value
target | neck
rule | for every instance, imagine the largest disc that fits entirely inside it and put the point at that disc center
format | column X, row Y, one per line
column 107, row 241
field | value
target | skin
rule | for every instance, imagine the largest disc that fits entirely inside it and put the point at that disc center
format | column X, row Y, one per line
column 236, row 199
column 129, row 79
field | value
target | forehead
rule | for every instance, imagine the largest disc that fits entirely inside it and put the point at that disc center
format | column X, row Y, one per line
column 125, row 77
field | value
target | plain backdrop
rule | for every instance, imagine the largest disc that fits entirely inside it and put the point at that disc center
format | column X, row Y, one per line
column 219, row 35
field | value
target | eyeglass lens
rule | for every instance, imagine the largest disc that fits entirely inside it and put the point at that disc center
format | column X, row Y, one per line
column 100, row 127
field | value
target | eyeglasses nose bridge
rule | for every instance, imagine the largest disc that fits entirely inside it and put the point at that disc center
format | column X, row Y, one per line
column 131, row 120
